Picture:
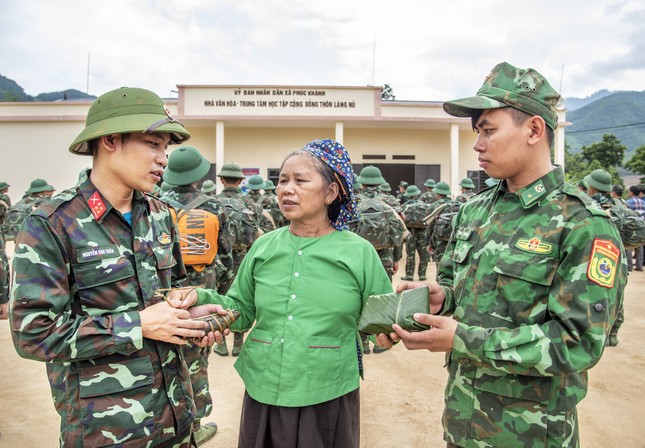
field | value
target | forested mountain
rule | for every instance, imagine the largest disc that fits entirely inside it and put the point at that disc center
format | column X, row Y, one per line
column 11, row 91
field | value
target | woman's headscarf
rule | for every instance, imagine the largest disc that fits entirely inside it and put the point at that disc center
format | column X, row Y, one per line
column 337, row 158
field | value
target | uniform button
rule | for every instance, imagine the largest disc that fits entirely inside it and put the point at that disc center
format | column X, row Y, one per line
column 281, row 340
column 297, row 274
column 24, row 301
column 293, row 296
column 598, row 307
column 290, row 317
column 299, row 252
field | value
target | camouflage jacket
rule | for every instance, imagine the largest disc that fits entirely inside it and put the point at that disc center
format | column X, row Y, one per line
column 5, row 204
column 221, row 271
column 270, row 203
column 4, row 273
column 428, row 197
column 535, row 279
column 463, row 197
column 387, row 256
column 81, row 275
column 266, row 224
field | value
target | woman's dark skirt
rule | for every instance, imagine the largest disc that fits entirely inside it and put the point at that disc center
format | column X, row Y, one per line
column 332, row 424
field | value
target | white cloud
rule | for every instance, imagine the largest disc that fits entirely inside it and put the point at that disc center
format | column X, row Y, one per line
column 424, row 50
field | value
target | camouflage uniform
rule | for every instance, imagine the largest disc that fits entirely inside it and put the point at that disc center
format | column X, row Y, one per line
column 4, row 274
column 218, row 276
column 428, row 197
column 416, row 243
column 99, row 272
column 535, row 279
column 437, row 245
column 5, row 204
column 270, row 204
column 463, row 197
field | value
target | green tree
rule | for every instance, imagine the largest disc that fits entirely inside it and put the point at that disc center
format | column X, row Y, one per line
column 387, row 93
column 609, row 152
column 637, row 163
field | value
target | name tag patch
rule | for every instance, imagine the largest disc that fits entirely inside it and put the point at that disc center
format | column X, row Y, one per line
column 97, row 253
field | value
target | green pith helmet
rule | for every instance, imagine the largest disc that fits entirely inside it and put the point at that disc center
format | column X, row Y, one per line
column 412, row 191
column 403, row 184
column 430, row 183
column 208, row 186
column 4, row 185
column 185, row 166
column 491, row 181
column 600, row 180
column 442, row 188
column 370, row 175
column 166, row 187
column 255, row 182
column 124, row 111
column 385, row 187
column 506, row 85
column 269, row 185
column 466, row 182
column 38, row 186
column 232, row 170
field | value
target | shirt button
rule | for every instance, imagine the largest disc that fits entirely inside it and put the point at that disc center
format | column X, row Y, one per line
column 297, row 274
column 290, row 317
column 293, row 296
column 299, row 252
column 281, row 340
column 598, row 307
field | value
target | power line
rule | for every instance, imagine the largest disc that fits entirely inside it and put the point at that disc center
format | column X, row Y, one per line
column 607, row 128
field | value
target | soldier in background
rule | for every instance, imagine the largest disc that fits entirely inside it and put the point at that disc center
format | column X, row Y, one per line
column 270, row 204
column 443, row 209
column 428, row 196
column 637, row 204
column 209, row 188
column 4, row 282
column 400, row 194
column 415, row 212
column 38, row 193
column 5, row 201
column 521, row 338
column 467, row 187
column 255, row 184
column 186, row 167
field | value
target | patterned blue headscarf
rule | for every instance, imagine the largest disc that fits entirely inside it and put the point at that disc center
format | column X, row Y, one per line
column 337, row 158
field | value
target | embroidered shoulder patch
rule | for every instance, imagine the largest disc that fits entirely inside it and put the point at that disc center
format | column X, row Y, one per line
column 603, row 262
column 96, row 205
column 534, row 245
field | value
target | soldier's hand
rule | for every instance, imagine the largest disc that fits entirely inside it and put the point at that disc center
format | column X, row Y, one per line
column 182, row 297
column 439, row 338
column 162, row 322
column 436, row 296
column 395, row 267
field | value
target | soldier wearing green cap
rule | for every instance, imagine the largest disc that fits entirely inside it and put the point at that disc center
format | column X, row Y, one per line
column 5, row 204
column 255, row 184
column 186, row 167
column 530, row 284
column 107, row 253
column 5, row 200
column 415, row 212
column 467, row 186
column 428, row 195
column 209, row 187
column 248, row 221
column 270, row 204
column 38, row 193
column 442, row 212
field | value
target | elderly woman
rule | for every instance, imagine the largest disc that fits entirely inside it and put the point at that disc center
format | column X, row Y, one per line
column 304, row 285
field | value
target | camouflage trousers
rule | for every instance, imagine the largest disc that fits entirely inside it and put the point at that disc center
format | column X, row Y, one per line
column 197, row 361
column 416, row 243
column 387, row 260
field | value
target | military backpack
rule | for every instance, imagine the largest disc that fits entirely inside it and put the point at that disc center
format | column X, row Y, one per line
column 198, row 232
column 378, row 223
column 416, row 213
column 243, row 222
column 441, row 228
column 16, row 215
column 630, row 224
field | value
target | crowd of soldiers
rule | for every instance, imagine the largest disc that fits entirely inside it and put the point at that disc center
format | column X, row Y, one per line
column 410, row 219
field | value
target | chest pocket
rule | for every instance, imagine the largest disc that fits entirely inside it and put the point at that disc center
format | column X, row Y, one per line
column 463, row 245
column 525, row 281
column 90, row 274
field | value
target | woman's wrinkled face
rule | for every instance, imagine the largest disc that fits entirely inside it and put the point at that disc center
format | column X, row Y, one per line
column 302, row 192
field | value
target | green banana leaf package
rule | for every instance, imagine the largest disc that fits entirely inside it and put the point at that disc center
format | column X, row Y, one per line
column 380, row 311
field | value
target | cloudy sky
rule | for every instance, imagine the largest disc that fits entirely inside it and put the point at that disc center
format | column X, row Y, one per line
column 425, row 50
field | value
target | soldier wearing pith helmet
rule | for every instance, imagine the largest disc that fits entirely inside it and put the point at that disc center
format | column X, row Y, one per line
column 107, row 251
column 467, row 186
column 428, row 195
column 530, row 283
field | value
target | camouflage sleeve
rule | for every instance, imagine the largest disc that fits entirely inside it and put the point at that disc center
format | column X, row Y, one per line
column 584, row 295
column 4, row 274
column 44, row 324
column 224, row 246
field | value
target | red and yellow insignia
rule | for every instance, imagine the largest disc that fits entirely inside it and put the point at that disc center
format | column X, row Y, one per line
column 534, row 244
column 164, row 239
column 96, row 205
column 603, row 262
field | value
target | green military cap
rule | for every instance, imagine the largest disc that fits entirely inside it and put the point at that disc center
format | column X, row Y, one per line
column 124, row 111
column 618, row 189
column 4, row 185
column 232, row 170
column 370, row 175
column 208, row 186
column 467, row 182
column 385, row 187
column 255, row 182
column 600, row 180
column 430, row 183
column 403, row 184
column 269, row 185
column 38, row 186
column 506, row 85
column 412, row 191
column 185, row 166
column 491, row 181
column 442, row 188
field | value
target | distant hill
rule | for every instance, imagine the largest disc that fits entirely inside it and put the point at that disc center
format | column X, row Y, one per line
column 11, row 91
column 576, row 103
column 621, row 114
